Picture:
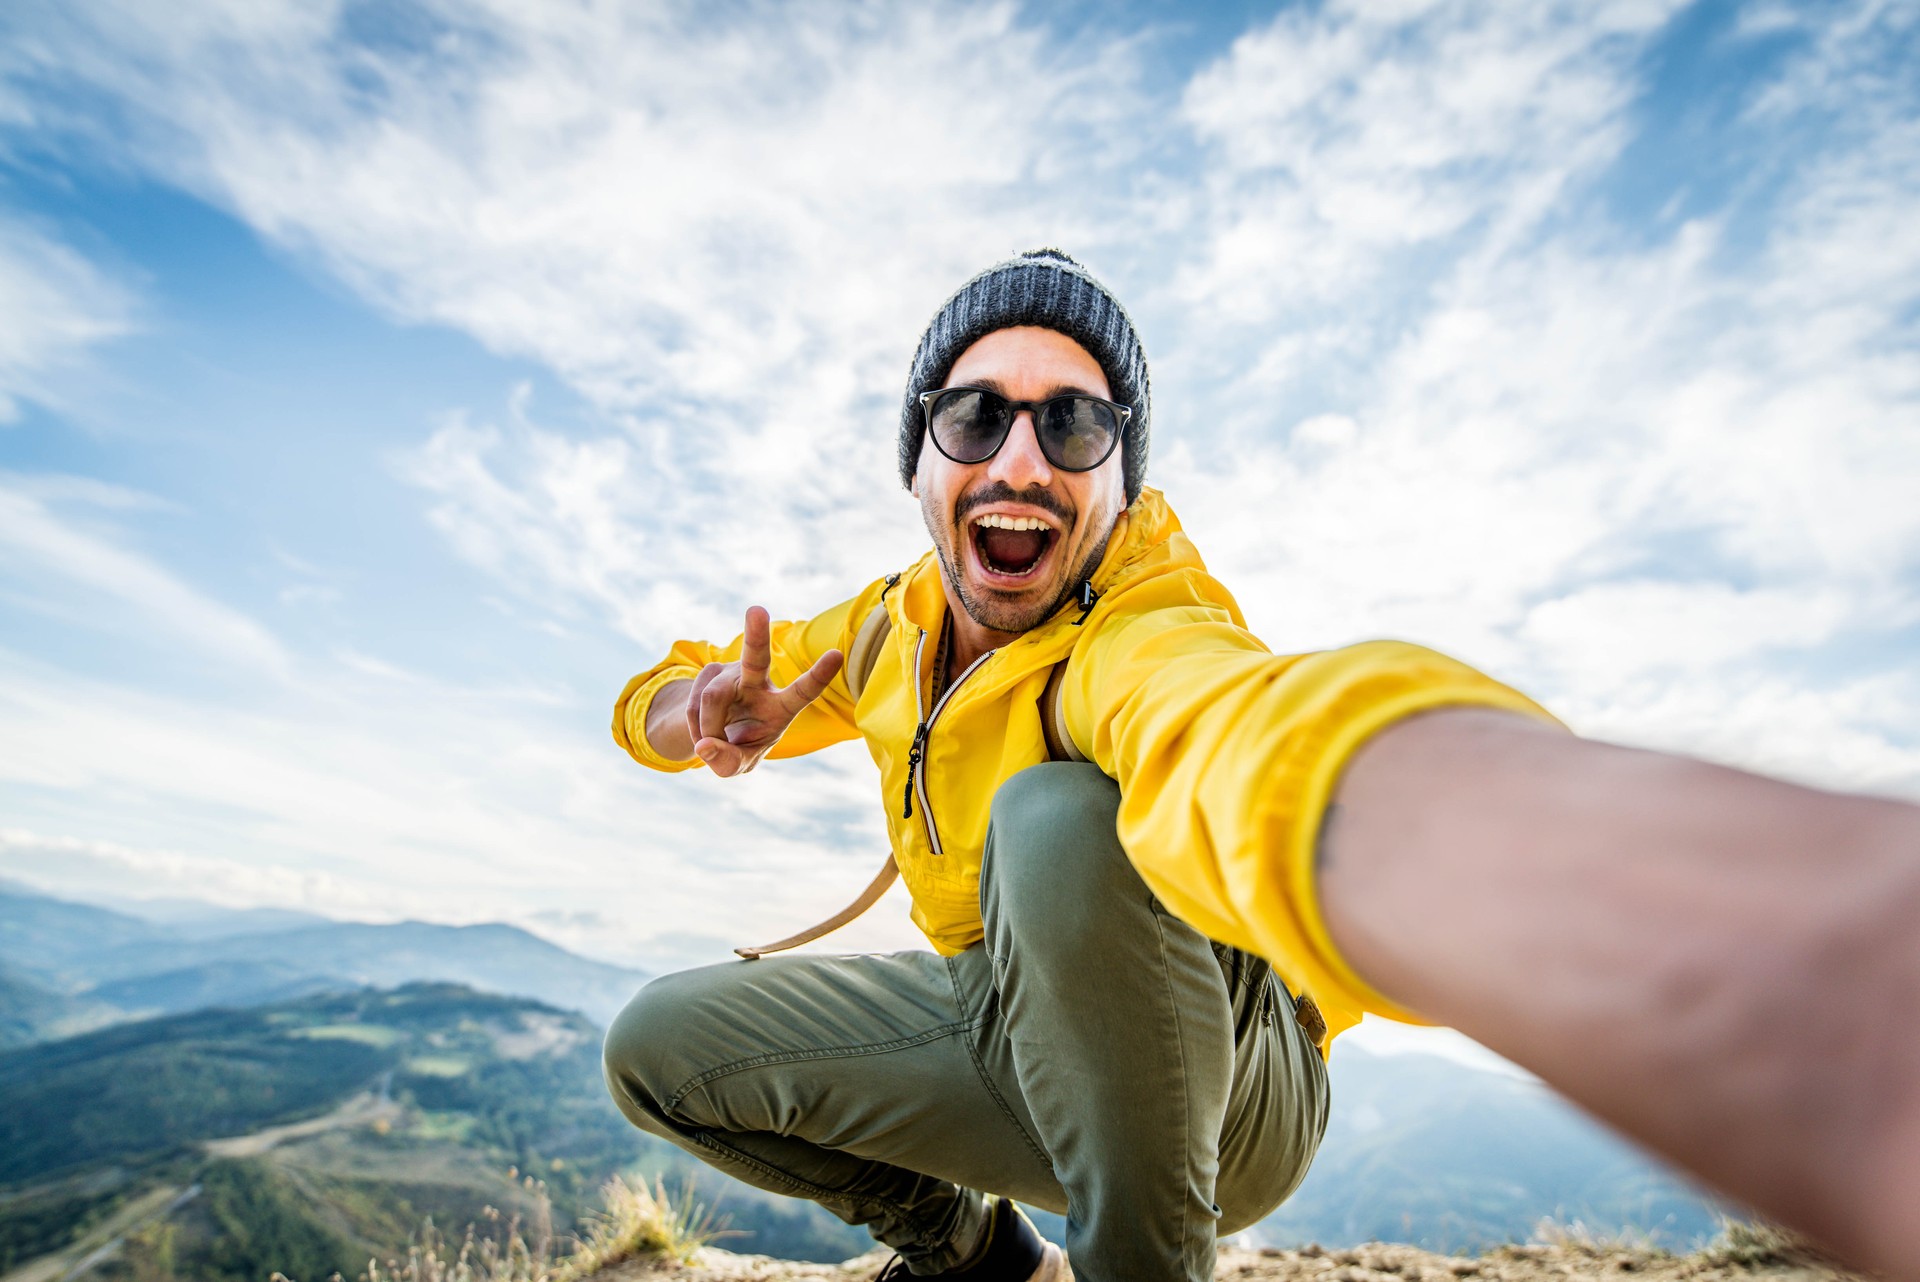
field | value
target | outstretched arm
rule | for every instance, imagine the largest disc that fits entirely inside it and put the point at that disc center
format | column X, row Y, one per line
column 1724, row 966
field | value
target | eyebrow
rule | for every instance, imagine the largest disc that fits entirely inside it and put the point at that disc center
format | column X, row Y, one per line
column 1058, row 389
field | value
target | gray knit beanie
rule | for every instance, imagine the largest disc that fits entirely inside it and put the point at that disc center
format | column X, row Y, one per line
column 1046, row 288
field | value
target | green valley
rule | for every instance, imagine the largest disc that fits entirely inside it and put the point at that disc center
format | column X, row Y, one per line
column 313, row 1135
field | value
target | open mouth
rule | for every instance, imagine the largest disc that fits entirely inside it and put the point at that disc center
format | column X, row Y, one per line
column 1011, row 549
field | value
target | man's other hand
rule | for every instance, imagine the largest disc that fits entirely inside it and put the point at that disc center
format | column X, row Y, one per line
column 734, row 716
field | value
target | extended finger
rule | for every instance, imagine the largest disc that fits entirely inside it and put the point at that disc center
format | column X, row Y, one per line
column 809, row 684
column 700, row 681
column 716, row 701
column 756, row 650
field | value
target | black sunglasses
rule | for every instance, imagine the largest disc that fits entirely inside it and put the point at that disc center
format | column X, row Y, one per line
column 1076, row 432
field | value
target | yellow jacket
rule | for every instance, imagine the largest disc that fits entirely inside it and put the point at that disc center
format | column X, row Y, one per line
column 1226, row 754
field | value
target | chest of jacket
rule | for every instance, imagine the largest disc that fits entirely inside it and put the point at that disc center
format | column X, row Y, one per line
column 941, row 760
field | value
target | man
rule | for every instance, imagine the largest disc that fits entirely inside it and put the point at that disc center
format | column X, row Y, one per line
column 1391, row 831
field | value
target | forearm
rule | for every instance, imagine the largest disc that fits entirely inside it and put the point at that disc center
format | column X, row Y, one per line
column 1722, row 965
column 667, row 732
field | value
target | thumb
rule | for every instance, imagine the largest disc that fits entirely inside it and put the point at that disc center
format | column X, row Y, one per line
column 809, row 685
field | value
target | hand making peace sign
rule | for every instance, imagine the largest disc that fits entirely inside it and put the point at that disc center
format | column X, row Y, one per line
column 734, row 717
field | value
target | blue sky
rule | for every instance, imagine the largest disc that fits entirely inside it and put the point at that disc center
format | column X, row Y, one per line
column 381, row 384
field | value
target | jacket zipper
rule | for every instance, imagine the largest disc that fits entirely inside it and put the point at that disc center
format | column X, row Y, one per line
column 917, row 755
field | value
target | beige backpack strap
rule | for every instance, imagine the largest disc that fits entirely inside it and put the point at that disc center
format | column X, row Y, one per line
column 865, row 650
column 862, row 655
column 868, row 898
column 1053, row 717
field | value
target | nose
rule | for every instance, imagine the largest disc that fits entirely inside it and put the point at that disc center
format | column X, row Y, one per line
column 1019, row 461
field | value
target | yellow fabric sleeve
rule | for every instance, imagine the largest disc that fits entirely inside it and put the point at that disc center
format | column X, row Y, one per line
column 1228, row 756
column 630, row 716
column 795, row 646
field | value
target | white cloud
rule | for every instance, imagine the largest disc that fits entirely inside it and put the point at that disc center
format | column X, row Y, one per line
column 1413, row 379
column 1344, row 140
column 377, row 795
column 58, row 565
column 56, row 307
column 1619, row 631
column 725, row 228
column 596, row 526
column 1661, row 479
column 94, row 870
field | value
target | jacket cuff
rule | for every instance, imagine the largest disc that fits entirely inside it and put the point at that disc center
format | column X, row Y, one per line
column 1302, row 860
column 630, row 717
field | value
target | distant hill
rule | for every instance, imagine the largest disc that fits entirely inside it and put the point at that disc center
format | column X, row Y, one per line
column 27, row 1009
column 1430, row 1152
column 497, row 958
column 55, row 941
column 223, row 983
column 309, row 1136
column 1418, row 1149
column 31, row 1010
column 197, row 919
column 221, row 957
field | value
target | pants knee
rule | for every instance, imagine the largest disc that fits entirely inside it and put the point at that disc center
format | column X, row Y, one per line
column 639, row 1054
column 1053, row 849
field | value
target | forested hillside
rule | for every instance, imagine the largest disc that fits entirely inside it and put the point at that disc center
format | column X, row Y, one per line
column 313, row 1135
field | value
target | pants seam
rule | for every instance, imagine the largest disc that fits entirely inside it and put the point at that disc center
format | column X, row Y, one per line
column 813, row 1192
column 1186, row 1111
column 986, row 1078
column 672, row 1102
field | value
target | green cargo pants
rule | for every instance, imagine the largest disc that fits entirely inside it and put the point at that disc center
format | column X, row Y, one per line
column 1095, row 1056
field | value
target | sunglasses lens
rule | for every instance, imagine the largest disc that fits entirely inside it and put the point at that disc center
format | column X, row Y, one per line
column 1077, row 432
column 968, row 425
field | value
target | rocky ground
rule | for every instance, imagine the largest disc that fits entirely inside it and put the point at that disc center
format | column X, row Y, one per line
column 1762, row 1259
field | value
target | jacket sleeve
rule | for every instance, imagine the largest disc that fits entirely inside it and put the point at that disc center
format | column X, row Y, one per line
column 796, row 646
column 1227, row 757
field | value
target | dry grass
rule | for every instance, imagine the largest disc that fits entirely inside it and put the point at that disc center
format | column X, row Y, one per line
column 639, row 1222
column 636, row 1222
column 1758, row 1244
column 1574, row 1235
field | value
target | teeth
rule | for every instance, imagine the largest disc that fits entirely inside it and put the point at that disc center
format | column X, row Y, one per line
column 995, row 521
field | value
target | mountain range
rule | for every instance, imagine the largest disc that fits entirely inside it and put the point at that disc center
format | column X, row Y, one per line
column 66, row 967
column 1418, row 1149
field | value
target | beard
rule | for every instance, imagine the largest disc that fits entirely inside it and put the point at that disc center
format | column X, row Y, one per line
column 1000, row 611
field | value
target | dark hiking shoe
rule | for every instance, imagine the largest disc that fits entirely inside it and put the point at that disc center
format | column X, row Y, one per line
column 1015, row 1252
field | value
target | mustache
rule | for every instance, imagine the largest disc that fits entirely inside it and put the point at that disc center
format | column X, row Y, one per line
column 1001, row 492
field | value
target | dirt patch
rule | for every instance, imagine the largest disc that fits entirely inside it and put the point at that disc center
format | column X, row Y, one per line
column 364, row 1109
column 538, row 1034
column 1372, row 1263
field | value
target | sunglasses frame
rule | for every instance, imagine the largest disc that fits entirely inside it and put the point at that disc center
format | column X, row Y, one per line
column 1122, row 413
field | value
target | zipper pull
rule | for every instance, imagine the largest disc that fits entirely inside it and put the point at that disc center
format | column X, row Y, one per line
column 913, row 764
column 1088, row 599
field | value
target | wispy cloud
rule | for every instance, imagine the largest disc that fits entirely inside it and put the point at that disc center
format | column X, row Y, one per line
column 1654, row 473
column 730, row 253
column 61, row 564
column 56, row 306
column 377, row 795
column 1420, row 370
column 1355, row 151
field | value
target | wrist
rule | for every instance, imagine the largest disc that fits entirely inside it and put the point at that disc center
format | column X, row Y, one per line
column 637, row 726
column 666, row 721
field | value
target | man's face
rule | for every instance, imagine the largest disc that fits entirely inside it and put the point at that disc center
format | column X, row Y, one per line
column 1076, row 509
